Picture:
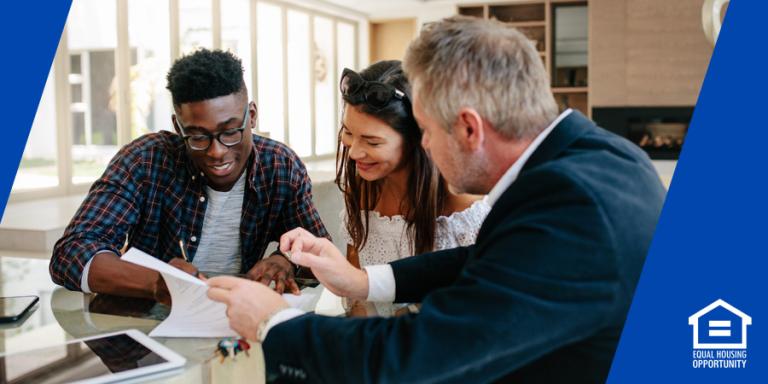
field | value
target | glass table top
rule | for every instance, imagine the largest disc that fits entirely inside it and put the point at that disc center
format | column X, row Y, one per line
column 62, row 315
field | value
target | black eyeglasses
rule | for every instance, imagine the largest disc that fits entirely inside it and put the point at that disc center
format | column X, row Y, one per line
column 376, row 94
column 202, row 141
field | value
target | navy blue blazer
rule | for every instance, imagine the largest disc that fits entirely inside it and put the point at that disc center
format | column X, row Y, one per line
column 541, row 297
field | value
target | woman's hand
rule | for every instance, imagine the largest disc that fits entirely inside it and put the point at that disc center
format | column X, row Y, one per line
column 327, row 263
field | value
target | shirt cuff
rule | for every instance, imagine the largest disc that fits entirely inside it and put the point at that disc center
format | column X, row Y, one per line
column 280, row 317
column 84, row 277
column 381, row 283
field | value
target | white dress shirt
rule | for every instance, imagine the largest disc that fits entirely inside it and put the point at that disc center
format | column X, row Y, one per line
column 381, row 278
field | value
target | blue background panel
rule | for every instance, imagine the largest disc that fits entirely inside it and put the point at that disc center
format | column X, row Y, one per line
column 710, row 242
column 30, row 33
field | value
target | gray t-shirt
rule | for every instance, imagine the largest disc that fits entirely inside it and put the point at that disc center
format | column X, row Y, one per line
column 219, row 249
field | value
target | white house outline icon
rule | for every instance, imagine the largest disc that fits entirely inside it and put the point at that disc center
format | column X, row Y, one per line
column 694, row 320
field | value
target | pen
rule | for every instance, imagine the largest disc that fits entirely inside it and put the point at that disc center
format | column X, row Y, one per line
column 183, row 253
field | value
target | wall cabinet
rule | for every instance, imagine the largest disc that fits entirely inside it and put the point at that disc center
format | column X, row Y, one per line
column 559, row 31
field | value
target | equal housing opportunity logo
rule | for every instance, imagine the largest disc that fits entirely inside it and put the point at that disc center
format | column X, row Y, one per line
column 719, row 336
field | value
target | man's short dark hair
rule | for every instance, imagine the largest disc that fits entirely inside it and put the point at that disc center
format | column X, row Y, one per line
column 205, row 75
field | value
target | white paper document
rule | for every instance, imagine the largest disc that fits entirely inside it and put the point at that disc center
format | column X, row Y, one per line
column 306, row 301
column 193, row 314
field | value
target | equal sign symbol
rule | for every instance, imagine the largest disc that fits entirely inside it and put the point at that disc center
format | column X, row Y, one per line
column 720, row 328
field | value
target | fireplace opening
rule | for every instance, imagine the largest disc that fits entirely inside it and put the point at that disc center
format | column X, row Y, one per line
column 659, row 131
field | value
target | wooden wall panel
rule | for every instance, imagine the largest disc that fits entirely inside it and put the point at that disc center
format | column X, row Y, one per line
column 390, row 39
column 607, row 56
column 646, row 52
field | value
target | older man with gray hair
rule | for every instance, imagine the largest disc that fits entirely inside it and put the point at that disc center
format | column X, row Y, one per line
column 543, row 294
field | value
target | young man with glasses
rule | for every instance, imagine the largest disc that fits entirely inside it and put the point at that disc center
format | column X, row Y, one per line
column 209, row 197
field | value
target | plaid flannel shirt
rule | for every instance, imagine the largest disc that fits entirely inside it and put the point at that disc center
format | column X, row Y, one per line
column 151, row 195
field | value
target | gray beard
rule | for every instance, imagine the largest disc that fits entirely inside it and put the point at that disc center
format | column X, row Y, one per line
column 475, row 177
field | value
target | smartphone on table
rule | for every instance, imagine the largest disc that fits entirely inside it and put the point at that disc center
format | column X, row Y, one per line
column 16, row 307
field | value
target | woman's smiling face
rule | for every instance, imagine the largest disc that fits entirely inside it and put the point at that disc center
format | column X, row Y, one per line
column 376, row 148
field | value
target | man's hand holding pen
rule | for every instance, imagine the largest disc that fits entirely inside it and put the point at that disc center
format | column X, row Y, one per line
column 161, row 290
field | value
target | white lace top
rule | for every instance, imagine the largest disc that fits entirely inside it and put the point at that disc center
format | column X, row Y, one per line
column 388, row 238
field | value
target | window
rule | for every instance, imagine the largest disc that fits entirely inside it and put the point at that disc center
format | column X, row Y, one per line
column 271, row 92
column 236, row 35
column 301, row 54
column 39, row 164
column 195, row 25
column 345, row 45
column 107, row 86
column 150, row 48
column 322, row 62
column 299, row 85
column 92, row 87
